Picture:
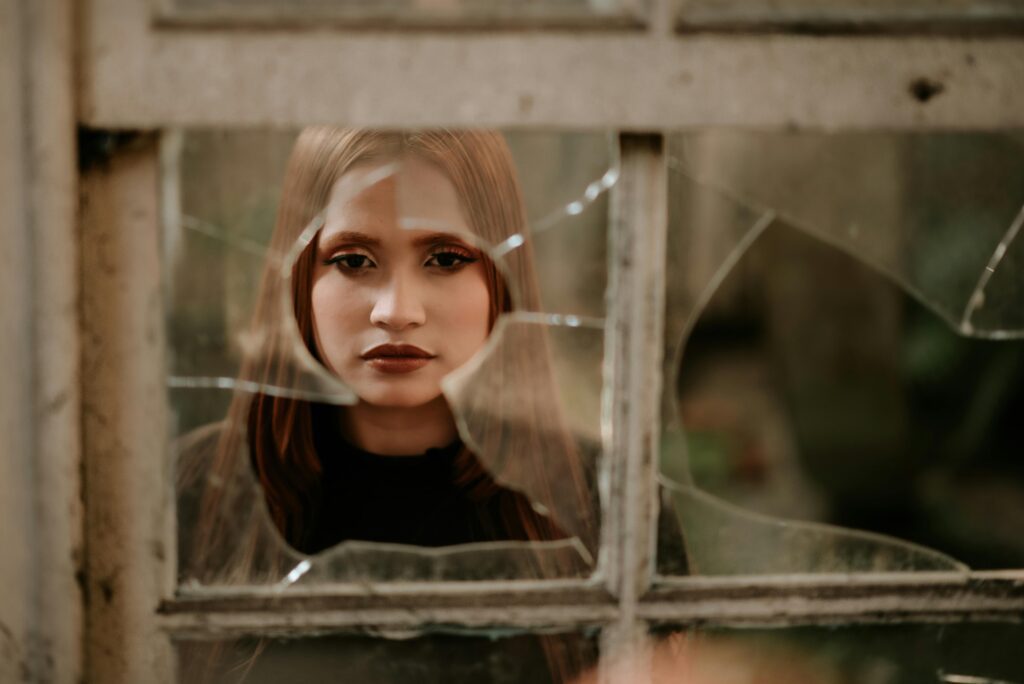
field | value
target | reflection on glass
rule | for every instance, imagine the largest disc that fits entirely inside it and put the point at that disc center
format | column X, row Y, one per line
column 395, row 260
column 850, row 309
column 966, row 653
column 435, row 658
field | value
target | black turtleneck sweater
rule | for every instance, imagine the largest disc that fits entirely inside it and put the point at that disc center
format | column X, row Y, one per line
column 411, row 500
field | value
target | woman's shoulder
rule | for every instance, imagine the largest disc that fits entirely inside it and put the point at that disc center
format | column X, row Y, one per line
column 195, row 452
column 223, row 529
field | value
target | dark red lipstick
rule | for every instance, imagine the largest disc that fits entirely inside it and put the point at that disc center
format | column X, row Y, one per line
column 396, row 358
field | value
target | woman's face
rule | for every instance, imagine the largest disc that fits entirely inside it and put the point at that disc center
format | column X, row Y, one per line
column 394, row 309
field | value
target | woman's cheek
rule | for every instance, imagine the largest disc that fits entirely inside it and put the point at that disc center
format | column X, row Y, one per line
column 469, row 311
column 333, row 313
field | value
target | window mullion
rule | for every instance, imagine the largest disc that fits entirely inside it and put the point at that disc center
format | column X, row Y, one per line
column 124, row 415
column 634, row 356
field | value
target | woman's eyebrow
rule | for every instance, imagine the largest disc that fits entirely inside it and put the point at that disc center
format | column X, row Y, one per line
column 348, row 237
column 437, row 238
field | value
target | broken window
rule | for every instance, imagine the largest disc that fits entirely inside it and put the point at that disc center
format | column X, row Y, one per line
column 842, row 362
column 278, row 299
column 844, row 355
column 754, row 385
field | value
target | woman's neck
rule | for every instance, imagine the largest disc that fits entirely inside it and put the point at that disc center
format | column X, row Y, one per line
column 391, row 431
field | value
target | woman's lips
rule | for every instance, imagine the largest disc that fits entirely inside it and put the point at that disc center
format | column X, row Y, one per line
column 396, row 358
column 397, row 364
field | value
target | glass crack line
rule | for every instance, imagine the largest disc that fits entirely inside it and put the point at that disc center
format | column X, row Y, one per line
column 736, row 198
column 316, row 224
column 198, row 225
column 559, row 320
column 727, row 266
column 943, row 312
column 827, row 530
column 977, row 298
column 230, row 383
column 296, row 573
column 969, row 679
column 576, row 207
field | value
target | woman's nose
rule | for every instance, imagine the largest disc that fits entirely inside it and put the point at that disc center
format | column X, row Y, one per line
column 398, row 305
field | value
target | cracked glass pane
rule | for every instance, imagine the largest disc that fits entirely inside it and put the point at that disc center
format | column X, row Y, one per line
column 388, row 658
column 959, row 653
column 386, row 353
column 844, row 354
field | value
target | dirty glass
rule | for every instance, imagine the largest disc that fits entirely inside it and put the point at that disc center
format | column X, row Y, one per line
column 844, row 353
column 853, row 14
column 385, row 353
column 393, row 658
column 951, row 653
column 401, row 12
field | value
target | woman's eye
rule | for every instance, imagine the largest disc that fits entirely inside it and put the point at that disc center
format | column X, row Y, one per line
column 449, row 260
column 352, row 262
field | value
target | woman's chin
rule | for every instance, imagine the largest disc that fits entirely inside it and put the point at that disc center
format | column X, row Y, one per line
column 400, row 399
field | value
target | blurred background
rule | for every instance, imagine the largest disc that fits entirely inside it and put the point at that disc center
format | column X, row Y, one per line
column 831, row 377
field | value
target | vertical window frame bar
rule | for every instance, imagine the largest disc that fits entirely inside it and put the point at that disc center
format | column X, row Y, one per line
column 637, row 244
column 128, row 567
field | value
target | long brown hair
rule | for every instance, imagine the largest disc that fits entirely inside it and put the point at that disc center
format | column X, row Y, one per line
column 276, row 430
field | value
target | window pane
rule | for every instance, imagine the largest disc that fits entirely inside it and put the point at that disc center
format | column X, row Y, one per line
column 854, row 14
column 844, row 354
column 398, row 660
column 386, row 353
column 882, row 654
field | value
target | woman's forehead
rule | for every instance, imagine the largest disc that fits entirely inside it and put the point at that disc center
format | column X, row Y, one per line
column 394, row 194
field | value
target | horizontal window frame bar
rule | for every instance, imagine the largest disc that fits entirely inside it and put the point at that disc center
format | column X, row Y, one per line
column 931, row 597
column 760, row 612
column 632, row 16
column 512, row 619
column 597, row 81
column 1001, row 582
column 889, row 597
column 1007, row 585
column 542, row 617
column 410, row 595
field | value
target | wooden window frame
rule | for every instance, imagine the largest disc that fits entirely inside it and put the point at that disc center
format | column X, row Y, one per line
column 114, row 65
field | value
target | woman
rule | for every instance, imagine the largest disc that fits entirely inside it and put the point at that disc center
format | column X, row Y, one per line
column 387, row 288
column 390, row 290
